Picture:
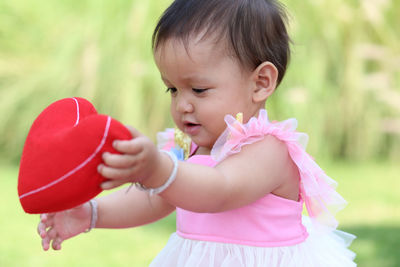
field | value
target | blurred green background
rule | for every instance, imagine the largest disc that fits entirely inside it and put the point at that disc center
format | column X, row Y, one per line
column 343, row 86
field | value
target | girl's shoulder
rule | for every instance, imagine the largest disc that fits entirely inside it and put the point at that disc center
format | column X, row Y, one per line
column 317, row 190
column 238, row 135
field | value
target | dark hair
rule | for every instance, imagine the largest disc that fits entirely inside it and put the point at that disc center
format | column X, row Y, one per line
column 255, row 29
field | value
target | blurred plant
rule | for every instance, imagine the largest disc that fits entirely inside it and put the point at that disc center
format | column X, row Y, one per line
column 342, row 85
column 100, row 50
column 344, row 81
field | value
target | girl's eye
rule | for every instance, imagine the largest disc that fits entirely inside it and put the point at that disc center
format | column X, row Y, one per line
column 171, row 90
column 199, row 91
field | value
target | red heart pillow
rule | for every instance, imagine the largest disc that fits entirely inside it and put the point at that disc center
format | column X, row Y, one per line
column 58, row 168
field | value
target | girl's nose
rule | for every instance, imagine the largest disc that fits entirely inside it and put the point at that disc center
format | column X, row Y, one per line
column 183, row 105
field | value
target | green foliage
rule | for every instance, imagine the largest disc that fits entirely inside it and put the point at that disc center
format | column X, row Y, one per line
column 99, row 50
column 342, row 84
column 372, row 215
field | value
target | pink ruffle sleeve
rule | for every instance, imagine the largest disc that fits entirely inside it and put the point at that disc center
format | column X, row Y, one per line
column 316, row 188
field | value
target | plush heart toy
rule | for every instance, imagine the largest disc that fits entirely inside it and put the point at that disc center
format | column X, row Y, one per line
column 58, row 168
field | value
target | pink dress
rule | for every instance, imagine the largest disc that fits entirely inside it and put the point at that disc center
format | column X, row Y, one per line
column 271, row 231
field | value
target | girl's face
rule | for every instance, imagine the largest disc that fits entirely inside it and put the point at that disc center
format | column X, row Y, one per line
column 205, row 84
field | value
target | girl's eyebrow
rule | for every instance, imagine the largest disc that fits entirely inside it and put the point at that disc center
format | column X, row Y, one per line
column 188, row 79
column 196, row 78
column 165, row 80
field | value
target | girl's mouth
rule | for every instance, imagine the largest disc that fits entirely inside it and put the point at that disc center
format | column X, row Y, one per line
column 191, row 128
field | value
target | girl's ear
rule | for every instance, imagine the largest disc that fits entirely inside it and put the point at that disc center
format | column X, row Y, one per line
column 265, row 77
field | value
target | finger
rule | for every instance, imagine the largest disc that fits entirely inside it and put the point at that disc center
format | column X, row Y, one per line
column 41, row 229
column 46, row 243
column 133, row 146
column 43, row 217
column 111, row 184
column 56, row 244
column 47, row 216
column 116, row 173
column 118, row 160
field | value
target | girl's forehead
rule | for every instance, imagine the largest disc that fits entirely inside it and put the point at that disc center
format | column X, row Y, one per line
column 193, row 46
column 197, row 60
column 174, row 57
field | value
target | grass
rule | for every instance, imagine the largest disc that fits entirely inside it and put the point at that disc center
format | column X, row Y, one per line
column 372, row 214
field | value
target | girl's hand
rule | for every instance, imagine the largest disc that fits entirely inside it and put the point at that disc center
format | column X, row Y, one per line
column 137, row 161
column 56, row 227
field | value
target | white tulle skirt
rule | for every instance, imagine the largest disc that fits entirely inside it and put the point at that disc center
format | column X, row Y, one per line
column 318, row 250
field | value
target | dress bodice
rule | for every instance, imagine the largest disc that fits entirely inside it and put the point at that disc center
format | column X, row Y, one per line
column 269, row 221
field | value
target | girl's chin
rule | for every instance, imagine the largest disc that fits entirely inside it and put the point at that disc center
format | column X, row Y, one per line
column 203, row 143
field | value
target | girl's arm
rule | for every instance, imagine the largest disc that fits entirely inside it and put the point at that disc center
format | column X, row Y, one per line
column 240, row 179
column 117, row 210
column 123, row 208
column 259, row 169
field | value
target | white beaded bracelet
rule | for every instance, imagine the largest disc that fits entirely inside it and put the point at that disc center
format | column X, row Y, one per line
column 93, row 218
column 158, row 190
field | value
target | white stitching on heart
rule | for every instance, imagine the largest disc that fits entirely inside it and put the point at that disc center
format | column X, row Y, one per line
column 77, row 111
column 80, row 166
